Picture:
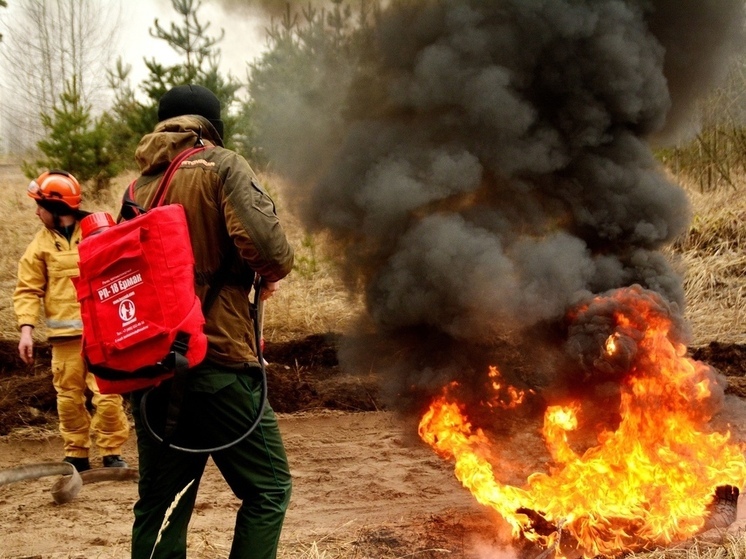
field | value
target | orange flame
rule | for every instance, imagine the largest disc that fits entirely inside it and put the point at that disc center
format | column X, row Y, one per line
column 504, row 396
column 646, row 483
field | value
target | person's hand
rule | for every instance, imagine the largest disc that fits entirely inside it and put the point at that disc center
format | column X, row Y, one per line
column 26, row 345
column 268, row 289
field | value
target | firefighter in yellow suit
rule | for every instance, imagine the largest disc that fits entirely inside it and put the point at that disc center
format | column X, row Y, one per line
column 44, row 276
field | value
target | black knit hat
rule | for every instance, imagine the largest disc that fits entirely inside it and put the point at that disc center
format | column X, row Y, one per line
column 191, row 100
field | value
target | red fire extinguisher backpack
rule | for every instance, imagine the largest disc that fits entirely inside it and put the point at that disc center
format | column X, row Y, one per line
column 142, row 320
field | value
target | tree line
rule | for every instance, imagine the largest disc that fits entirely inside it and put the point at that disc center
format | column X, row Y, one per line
column 59, row 50
column 64, row 44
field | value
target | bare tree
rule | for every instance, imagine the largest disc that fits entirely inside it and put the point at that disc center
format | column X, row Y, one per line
column 50, row 43
column 3, row 4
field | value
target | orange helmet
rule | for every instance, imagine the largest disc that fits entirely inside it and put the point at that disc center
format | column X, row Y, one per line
column 56, row 186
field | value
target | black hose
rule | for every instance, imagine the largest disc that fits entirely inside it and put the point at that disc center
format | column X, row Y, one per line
column 262, row 406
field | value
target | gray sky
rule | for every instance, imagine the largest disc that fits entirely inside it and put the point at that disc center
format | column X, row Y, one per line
column 243, row 34
column 243, row 41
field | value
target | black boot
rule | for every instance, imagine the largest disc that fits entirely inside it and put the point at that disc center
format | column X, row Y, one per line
column 80, row 464
column 114, row 461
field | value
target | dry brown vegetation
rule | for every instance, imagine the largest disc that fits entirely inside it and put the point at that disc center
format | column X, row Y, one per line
column 713, row 259
column 311, row 300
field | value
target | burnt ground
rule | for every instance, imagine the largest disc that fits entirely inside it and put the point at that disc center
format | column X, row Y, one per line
column 729, row 360
column 303, row 375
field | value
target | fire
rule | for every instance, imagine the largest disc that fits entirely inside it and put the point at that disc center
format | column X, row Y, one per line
column 504, row 396
column 646, row 483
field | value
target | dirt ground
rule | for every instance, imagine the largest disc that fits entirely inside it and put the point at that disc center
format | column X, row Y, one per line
column 360, row 487
column 364, row 486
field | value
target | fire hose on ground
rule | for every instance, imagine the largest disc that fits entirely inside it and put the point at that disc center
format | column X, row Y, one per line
column 69, row 485
column 257, row 312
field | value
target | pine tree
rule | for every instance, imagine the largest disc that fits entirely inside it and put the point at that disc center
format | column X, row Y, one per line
column 76, row 143
column 312, row 58
column 190, row 39
column 201, row 60
column 129, row 119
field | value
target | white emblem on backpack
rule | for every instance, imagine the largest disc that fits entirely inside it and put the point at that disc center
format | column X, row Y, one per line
column 127, row 311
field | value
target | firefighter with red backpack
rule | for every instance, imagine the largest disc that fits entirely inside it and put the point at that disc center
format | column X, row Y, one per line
column 235, row 236
column 44, row 283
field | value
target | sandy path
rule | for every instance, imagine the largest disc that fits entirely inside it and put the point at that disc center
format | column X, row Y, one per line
column 352, row 472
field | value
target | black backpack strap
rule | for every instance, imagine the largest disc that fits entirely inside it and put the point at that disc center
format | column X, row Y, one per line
column 130, row 208
column 217, row 282
column 177, row 361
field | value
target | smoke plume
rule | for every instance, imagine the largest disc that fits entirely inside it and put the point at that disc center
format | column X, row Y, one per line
column 267, row 8
column 490, row 166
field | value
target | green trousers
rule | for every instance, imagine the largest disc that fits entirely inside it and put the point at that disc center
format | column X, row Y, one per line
column 218, row 407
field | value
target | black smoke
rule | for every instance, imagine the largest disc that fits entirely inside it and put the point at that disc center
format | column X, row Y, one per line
column 490, row 167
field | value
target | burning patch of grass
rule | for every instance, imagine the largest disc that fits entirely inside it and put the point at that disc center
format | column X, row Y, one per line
column 313, row 300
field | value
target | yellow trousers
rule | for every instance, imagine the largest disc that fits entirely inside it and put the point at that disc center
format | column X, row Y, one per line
column 108, row 428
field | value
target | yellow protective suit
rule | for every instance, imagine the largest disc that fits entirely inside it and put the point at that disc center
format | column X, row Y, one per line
column 44, row 276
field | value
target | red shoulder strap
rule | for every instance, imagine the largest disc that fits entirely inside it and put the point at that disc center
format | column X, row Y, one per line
column 160, row 194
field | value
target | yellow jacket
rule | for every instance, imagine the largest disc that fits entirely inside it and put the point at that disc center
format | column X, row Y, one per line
column 45, row 272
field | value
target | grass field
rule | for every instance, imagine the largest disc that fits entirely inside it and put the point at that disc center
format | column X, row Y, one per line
column 712, row 259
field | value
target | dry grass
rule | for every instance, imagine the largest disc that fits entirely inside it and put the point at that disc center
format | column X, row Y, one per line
column 733, row 546
column 311, row 299
column 713, row 259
